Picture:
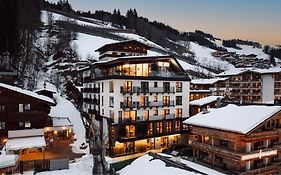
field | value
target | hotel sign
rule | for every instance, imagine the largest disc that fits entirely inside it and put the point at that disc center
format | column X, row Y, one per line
column 259, row 155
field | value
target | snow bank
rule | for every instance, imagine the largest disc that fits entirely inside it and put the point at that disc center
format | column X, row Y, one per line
column 65, row 108
column 206, row 100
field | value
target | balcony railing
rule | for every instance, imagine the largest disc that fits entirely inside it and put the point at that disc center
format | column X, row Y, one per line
column 139, row 105
column 92, row 101
column 139, row 90
column 90, row 90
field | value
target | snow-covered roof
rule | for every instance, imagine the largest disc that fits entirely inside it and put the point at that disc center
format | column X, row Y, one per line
column 28, row 93
column 61, row 121
column 156, row 166
column 122, row 42
column 8, row 160
column 238, row 71
column 39, row 90
column 233, row 118
column 204, row 101
column 207, row 81
column 25, row 133
column 25, row 142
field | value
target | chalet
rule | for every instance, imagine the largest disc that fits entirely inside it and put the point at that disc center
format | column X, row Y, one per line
column 122, row 48
column 202, row 104
column 254, row 85
column 21, row 109
column 238, row 139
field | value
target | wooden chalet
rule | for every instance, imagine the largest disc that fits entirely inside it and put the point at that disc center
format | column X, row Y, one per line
column 202, row 104
column 123, row 48
column 22, row 109
column 238, row 139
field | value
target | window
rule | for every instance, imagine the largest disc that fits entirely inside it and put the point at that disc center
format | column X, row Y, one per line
column 178, row 100
column 120, row 116
column 111, row 102
column 102, row 87
column 155, row 98
column 166, row 101
column 144, row 87
column 111, row 113
column 179, row 112
column 155, row 84
column 2, row 125
column 178, row 125
column 102, row 100
column 169, row 126
column 114, row 53
column 155, row 112
column 224, row 143
column 159, row 128
column 111, row 87
column 2, row 108
column 102, row 112
column 20, row 107
column 166, row 86
column 21, row 124
column 127, row 86
column 130, row 115
column 27, row 124
column 150, row 129
column 178, row 86
column 144, row 101
column 130, row 130
column 165, row 112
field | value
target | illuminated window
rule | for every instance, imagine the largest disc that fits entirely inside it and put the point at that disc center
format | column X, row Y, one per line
column 111, row 87
column 179, row 86
column 155, row 98
column 130, row 131
column 159, row 128
column 2, row 108
column 179, row 112
column 155, row 112
column 168, row 126
column 150, row 129
column 166, row 100
column 177, row 125
column 178, row 100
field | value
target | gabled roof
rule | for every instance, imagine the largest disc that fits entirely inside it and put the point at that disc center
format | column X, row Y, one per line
column 206, row 100
column 28, row 93
column 233, row 118
column 121, row 43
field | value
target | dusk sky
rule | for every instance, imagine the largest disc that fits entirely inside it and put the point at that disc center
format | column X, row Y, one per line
column 257, row 20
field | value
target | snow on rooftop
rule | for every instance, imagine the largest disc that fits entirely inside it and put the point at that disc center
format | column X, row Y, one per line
column 82, row 166
column 59, row 121
column 238, row 71
column 157, row 166
column 206, row 100
column 28, row 93
column 147, row 165
column 66, row 109
column 132, row 36
column 229, row 118
column 8, row 160
column 25, row 142
column 207, row 81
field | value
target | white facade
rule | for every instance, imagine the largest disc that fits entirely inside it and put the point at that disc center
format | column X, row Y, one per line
column 267, row 88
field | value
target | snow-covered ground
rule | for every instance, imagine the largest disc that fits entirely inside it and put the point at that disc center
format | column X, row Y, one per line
column 132, row 36
column 187, row 66
column 87, row 44
column 82, row 166
column 65, row 108
column 204, row 57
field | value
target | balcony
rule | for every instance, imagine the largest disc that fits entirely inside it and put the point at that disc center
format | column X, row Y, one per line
column 139, row 90
column 94, row 101
column 155, row 117
column 170, row 116
column 145, row 105
column 91, row 90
